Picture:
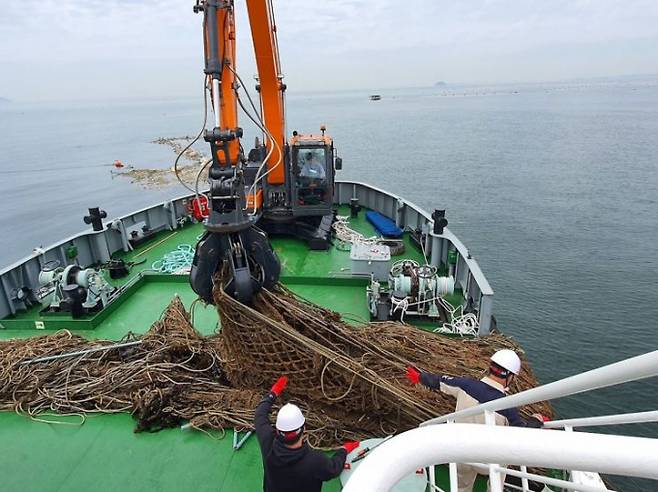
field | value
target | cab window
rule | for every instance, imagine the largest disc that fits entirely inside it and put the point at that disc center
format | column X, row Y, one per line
column 312, row 176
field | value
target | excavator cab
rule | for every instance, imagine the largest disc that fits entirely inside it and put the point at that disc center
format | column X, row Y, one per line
column 312, row 174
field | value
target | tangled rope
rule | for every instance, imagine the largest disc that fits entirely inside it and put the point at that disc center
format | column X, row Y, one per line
column 177, row 261
column 172, row 376
column 348, row 236
column 349, row 374
column 460, row 323
column 348, row 380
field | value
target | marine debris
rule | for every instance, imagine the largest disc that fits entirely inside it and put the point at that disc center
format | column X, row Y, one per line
column 159, row 178
column 176, row 144
column 349, row 380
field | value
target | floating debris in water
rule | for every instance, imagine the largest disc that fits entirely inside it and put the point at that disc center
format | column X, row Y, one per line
column 162, row 178
column 177, row 146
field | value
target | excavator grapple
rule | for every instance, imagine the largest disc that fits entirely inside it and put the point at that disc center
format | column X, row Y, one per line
column 247, row 260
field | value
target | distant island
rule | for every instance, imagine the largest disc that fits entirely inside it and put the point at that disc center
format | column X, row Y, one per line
column 440, row 83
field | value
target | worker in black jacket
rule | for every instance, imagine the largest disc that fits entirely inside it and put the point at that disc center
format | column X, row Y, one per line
column 290, row 464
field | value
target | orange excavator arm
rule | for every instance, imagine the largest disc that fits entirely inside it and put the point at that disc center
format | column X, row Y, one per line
column 271, row 86
column 231, row 238
column 219, row 51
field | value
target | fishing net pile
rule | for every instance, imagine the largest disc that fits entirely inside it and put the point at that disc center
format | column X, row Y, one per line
column 173, row 375
column 349, row 380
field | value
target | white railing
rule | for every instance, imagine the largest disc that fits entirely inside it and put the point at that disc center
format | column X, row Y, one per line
column 468, row 443
column 523, row 474
column 604, row 420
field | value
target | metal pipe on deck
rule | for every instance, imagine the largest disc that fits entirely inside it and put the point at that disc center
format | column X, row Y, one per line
column 100, row 245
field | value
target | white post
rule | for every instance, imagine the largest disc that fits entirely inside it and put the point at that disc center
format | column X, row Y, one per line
column 524, row 481
column 454, row 485
column 569, row 477
column 495, row 482
column 452, row 467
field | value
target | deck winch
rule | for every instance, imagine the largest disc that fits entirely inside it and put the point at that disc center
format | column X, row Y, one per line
column 413, row 289
column 73, row 289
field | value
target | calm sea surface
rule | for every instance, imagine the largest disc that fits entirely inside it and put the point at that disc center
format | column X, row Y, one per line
column 553, row 188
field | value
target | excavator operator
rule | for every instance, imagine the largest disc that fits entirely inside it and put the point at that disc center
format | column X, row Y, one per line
column 312, row 169
column 312, row 179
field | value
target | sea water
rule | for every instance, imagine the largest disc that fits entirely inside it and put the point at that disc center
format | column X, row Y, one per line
column 552, row 187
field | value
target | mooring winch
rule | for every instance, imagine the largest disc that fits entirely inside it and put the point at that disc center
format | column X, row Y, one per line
column 73, row 289
column 413, row 289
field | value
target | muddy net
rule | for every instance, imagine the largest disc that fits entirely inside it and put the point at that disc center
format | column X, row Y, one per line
column 349, row 379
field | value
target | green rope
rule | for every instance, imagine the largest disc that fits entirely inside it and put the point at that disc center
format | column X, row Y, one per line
column 175, row 260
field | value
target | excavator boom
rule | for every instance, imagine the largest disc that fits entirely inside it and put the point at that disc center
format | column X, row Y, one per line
column 219, row 50
column 282, row 187
column 271, row 86
column 232, row 244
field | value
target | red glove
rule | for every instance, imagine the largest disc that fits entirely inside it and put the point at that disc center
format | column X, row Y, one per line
column 280, row 385
column 350, row 446
column 541, row 418
column 413, row 375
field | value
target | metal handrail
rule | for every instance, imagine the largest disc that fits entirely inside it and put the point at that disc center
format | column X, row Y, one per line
column 603, row 420
column 564, row 484
column 467, row 443
column 640, row 367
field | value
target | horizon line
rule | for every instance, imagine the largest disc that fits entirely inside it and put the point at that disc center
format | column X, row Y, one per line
column 448, row 85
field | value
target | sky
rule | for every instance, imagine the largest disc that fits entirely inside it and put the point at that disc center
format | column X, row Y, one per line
column 91, row 49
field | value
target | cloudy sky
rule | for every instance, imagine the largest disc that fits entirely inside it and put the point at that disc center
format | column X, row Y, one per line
column 70, row 49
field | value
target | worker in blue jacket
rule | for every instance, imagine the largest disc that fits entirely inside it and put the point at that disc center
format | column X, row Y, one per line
column 504, row 366
column 289, row 463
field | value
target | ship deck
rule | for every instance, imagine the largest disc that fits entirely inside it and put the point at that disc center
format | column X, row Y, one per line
column 104, row 453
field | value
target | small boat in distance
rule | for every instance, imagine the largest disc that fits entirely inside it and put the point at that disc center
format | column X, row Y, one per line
column 375, row 97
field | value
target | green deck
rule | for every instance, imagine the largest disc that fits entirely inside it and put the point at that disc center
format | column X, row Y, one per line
column 104, row 453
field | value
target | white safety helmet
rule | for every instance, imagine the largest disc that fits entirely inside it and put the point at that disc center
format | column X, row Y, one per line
column 289, row 418
column 507, row 359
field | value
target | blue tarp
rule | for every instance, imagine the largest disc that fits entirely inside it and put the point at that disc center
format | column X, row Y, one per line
column 385, row 226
